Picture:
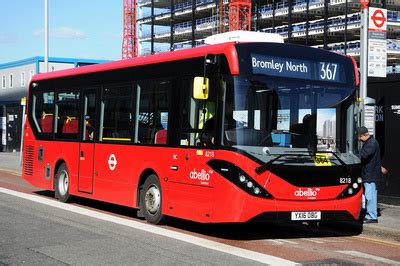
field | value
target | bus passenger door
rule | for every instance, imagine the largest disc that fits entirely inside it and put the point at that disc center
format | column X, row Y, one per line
column 87, row 147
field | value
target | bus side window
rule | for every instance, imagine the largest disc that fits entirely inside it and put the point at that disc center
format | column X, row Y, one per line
column 44, row 111
column 117, row 116
column 67, row 115
column 153, row 112
column 197, row 117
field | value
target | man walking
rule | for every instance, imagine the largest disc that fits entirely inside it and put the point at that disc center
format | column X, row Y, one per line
column 370, row 173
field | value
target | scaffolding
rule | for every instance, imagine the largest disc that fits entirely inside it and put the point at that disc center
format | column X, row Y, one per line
column 167, row 25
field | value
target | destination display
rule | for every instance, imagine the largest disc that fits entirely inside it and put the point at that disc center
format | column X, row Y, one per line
column 296, row 68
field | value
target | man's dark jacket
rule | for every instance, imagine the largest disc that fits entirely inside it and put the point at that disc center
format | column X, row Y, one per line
column 371, row 161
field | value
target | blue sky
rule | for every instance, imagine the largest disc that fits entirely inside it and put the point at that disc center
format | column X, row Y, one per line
column 78, row 28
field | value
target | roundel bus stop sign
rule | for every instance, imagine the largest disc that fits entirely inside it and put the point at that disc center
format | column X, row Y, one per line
column 377, row 19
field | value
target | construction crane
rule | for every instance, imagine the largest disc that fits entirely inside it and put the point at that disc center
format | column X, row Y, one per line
column 239, row 15
column 129, row 43
column 239, row 19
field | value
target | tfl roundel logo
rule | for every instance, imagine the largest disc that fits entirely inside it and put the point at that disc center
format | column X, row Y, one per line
column 112, row 162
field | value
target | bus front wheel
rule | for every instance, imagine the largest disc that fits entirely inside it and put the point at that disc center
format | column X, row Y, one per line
column 62, row 184
column 151, row 200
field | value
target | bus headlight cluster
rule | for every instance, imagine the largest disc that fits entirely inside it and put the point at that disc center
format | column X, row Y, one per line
column 352, row 188
column 238, row 177
column 249, row 184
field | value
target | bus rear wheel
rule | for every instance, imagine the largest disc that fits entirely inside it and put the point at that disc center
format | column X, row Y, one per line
column 61, row 183
column 151, row 200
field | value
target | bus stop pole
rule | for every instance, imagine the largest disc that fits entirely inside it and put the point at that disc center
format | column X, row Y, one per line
column 23, row 103
column 363, row 59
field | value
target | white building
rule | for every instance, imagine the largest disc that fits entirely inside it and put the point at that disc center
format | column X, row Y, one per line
column 14, row 82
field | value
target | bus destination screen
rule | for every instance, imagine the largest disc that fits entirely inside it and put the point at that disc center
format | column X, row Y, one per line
column 297, row 68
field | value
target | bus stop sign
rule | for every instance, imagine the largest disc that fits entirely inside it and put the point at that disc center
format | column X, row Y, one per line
column 377, row 19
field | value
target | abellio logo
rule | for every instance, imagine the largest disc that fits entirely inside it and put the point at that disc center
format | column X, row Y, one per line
column 309, row 193
column 202, row 175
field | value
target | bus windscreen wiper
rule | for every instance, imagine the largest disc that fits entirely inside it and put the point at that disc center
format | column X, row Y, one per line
column 261, row 169
column 342, row 163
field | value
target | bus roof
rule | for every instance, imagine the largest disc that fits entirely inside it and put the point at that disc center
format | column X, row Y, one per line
column 224, row 48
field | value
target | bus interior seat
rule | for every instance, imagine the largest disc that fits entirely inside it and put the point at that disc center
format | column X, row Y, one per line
column 70, row 125
column 161, row 137
column 46, row 123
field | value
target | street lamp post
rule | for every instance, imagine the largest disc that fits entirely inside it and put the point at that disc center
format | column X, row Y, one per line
column 46, row 35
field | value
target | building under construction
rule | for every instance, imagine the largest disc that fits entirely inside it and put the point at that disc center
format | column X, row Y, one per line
column 165, row 25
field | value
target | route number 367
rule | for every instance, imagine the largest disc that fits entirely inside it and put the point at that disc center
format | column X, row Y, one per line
column 327, row 71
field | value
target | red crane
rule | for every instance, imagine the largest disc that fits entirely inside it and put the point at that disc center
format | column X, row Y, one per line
column 129, row 43
column 239, row 19
column 239, row 15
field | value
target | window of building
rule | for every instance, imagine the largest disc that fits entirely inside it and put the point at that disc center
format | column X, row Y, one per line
column 11, row 81
column 3, row 82
column 117, row 123
column 153, row 111
column 23, row 79
column 67, row 110
column 31, row 73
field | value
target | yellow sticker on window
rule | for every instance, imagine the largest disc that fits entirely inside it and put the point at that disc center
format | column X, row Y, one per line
column 322, row 159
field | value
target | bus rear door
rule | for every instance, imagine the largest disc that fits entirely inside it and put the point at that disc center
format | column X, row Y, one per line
column 87, row 146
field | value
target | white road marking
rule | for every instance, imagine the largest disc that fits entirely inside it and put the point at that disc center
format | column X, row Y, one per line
column 239, row 252
column 274, row 242
column 368, row 256
column 281, row 241
column 314, row 240
column 285, row 241
column 288, row 241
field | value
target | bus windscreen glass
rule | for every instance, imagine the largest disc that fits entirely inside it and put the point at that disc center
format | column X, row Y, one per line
column 286, row 114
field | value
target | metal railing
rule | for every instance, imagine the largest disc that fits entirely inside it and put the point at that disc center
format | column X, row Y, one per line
column 202, row 23
column 315, row 25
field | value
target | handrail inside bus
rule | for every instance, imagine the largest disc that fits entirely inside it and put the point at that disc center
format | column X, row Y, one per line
column 118, row 139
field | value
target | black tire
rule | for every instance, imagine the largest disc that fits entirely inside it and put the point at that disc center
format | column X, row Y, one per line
column 61, row 184
column 151, row 200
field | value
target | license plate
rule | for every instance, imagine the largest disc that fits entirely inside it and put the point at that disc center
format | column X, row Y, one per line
column 306, row 216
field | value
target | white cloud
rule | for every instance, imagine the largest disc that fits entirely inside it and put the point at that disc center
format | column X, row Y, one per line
column 8, row 38
column 38, row 33
column 113, row 35
column 62, row 33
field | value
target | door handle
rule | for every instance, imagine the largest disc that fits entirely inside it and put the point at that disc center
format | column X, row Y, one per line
column 174, row 167
column 82, row 154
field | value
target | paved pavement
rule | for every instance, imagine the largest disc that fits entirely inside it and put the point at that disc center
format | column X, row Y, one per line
column 387, row 228
column 10, row 161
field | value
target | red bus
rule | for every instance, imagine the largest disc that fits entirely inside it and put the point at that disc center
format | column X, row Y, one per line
column 229, row 132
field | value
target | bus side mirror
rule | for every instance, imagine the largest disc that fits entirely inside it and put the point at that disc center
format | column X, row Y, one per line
column 200, row 88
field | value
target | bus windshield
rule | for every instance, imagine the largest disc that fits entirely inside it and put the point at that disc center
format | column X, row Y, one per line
column 288, row 115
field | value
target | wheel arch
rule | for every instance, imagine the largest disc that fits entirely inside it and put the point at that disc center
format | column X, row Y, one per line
column 57, row 165
column 143, row 176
